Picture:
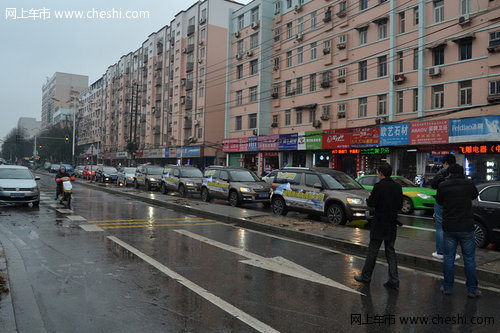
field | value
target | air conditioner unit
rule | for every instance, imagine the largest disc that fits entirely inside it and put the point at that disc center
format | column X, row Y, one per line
column 183, row 99
column 299, row 37
column 274, row 125
column 291, row 91
column 325, row 117
column 341, row 13
column 341, row 79
column 195, row 122
column 341, row 46
column 238, row 56
column 399, row 78
column 316, row 124
column 255, row 25
column 184, row 50
column 199, row 80
column 298, row 8
column 276, row 38
column 433, row 71
column 203, row 20
column 255, row 132
column 249, row 53
column 183, row 82
column 276, row 67
column 341, row 114
column 200, row 61
column 237, row 34
column 326, row 50
column 325, row 84
column 200, row 42
column 274, row 95
column 464, row 19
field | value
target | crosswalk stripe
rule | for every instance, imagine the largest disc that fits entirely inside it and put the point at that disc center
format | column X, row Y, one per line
column 162, row 219
column 151, row 223
column 158, row 225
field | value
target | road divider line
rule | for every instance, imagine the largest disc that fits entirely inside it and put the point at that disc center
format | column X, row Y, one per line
column 276, row 264
column 152, row 223
column 159, row 225
column 217, row 301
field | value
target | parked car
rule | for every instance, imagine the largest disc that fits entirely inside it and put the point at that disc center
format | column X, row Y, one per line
column 18, row 185
column 183, row 179
column 105, row 174
column 79, row 170
column 486, row 209
column 89, row 172
column 235, row 184
column 46, row 166
column 69, row 168
column 125, row 176
column 54, row 168
column 414, row 197
column 319, row 191
column 270, row 176
column 148, row 175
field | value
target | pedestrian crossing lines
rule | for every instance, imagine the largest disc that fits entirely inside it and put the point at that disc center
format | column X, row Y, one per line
column 152, row 222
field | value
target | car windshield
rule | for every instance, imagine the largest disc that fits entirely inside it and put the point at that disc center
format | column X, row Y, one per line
column 109, row 170
column 128, row 170
column 403, row 182
column 155, row 171
column 191, row 173
column 8, row 173
column 340, row 181
column 243, row 176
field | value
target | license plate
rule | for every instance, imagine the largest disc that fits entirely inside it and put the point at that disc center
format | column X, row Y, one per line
column 17, row 195
column 263, row 195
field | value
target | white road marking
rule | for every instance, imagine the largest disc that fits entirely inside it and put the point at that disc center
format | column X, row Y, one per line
column 90, row 227
column 276, row 264
column 76, row 218
column 418, row 228
column 65, row 211
column 217, row 301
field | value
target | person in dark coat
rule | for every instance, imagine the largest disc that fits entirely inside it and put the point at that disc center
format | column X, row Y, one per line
column 455, row 194
column 61, row 173
column 387, row 199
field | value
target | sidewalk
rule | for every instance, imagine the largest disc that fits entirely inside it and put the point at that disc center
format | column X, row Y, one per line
column 413, row 250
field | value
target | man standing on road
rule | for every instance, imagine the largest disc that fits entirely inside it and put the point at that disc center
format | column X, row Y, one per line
column 387, row 199
column 455, row 194
column 448, row 160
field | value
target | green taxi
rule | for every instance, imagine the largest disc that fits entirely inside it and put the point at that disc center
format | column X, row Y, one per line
column 415, row 197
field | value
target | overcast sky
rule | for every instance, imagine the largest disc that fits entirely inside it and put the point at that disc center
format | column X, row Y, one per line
column 34, row 49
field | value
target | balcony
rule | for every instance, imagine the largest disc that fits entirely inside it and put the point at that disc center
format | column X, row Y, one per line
column 158, row 97
column 189, row 85
column 190, row 29
column 188, row 123
column 189, row 66
column 189, row 104
column 190, row 48
column 158, row 81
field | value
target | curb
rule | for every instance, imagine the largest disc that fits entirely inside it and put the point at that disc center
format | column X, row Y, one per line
column 414, row 261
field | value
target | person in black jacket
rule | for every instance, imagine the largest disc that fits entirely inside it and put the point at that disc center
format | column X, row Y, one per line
column 455, row 194
column 387, row 199
column 61, row 173
column 448, row 160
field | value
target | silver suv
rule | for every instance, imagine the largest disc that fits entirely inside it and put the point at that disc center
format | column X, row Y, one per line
column 235, row 184
column 319, row 191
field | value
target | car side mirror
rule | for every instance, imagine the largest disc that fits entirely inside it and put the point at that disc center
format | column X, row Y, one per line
column 318, row 186
column 37, row 178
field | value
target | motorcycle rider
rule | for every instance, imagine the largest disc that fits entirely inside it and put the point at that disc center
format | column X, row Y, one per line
column 60, row 174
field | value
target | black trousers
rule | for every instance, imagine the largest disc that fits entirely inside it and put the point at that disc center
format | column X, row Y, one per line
column 371, row 258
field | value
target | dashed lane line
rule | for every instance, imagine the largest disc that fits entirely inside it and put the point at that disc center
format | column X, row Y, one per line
column 217, row 301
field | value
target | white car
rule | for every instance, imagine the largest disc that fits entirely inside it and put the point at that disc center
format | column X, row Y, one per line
column 18, row 185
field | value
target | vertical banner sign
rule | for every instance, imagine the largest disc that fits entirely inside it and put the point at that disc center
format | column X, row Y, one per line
column 395, row 135
column 253, row 143
column 314, row 140
column 333, row 139
column 429, row 132
column 301, row 141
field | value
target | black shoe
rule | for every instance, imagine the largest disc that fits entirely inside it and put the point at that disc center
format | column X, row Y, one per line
column 445, row 291
column 360, row 279
column 475, row 294
column 391, row 285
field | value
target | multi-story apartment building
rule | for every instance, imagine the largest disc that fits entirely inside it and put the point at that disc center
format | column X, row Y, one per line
column 348, row 84
column 89, row 119
column 59, row 96
column 164, row 102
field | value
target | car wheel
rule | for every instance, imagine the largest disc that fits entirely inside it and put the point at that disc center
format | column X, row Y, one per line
column 481, row 235
column 205, row 197
column 36, row 203
column 163, row 188
column 136, row 185
column 407, row 206
column 335, row 214
column 279, row 206
column 233, row 199
column 182, row 191
column 148, row 186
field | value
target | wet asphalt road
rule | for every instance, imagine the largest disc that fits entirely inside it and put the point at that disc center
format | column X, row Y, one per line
column 80, row 285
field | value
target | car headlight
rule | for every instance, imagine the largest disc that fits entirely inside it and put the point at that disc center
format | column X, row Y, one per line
column 131, row 177
column 152, row 179
column 189, row 184
column 424, row 196
column 245, row 190
column 355, row 201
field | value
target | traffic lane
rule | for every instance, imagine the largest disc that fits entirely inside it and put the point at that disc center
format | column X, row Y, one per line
column 287, row 303
column 81, row 287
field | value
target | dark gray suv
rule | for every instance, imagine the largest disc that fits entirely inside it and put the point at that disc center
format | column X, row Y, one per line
column 319, row 191
column 148, row 175
column 235, row 184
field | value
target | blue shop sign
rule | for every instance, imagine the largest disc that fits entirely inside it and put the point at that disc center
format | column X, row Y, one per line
column 253, row 143
column 480, row 129
column 394, row 134
column 185, row 152
column 288, row 141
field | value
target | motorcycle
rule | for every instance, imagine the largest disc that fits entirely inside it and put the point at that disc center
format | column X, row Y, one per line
column 67, row 189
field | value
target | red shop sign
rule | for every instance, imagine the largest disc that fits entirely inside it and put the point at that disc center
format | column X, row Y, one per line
column 333, row 139
column 429, row 132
